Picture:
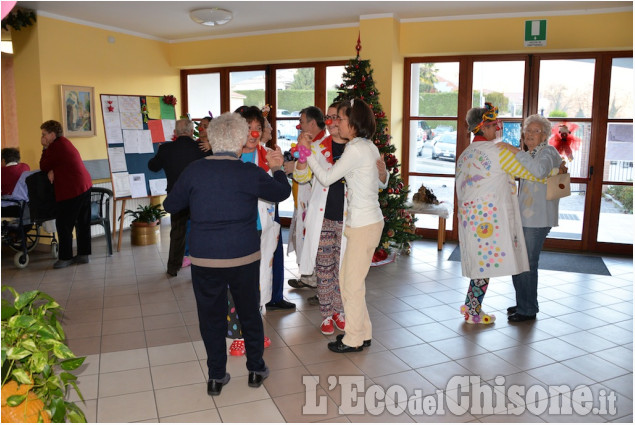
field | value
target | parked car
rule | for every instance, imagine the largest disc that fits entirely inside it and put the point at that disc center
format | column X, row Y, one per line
column 286, row 129
column 443, row 129
column 444, row 146
column 424, row 133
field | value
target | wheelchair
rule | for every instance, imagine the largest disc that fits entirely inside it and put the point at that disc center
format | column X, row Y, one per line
column 22, row 220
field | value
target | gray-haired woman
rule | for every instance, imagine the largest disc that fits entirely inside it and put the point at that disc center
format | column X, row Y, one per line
column 222, row 194
column 538, row 215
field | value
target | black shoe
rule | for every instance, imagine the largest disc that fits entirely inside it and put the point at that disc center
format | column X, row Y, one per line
column 297, row 284
column 512, row 310
column 171, row 273
column 60, row 264
column 520, row 318
column 340, row 347
column 280, row 305
column 215, row 386
column 81, row 259
column 313, row 300
column 365, row 344
column 256, row 378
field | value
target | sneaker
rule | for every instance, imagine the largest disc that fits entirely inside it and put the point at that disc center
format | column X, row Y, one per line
column 186, row 262
column 280, row 305
column 481, row 319
column 81, row 259
column 267, row 342
column 313, row 300
column 327, row 326
column 339, row 321
column 237, row 348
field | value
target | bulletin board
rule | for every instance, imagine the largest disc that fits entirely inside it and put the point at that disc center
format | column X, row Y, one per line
column 135, row 127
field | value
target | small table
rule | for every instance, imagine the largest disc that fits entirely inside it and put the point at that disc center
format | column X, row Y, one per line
column 441, row 210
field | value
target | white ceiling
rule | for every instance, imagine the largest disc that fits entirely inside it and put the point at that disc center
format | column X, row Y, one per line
column 169, row 20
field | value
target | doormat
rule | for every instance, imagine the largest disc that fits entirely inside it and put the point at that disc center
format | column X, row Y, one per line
column 562, row 262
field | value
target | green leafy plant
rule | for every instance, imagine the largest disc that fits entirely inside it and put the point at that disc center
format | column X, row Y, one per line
column 146, row 214
column 34, row 354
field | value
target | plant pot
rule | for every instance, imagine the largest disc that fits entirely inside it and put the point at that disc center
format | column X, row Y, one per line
column 142, row 234
column 27, row 411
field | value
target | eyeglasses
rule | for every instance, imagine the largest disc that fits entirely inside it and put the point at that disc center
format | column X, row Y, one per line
column 331, row 117
column 341, row 118
column 531, row 131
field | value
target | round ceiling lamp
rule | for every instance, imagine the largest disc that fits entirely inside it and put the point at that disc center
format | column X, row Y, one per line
column 211, row 17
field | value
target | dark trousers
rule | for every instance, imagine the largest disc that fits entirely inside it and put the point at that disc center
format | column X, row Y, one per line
column 210, row 289
column 72, row 214
column 178, row 231
column 277, row 284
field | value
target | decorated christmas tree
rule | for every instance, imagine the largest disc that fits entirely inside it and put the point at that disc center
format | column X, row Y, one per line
column 399, row 225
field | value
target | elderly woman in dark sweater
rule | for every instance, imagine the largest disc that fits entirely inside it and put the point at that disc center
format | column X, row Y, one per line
column 222, row 193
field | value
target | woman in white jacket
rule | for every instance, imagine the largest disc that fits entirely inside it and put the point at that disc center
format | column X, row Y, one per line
column 364, row 220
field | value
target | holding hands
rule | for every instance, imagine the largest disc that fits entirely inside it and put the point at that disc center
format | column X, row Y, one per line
column 275, row 158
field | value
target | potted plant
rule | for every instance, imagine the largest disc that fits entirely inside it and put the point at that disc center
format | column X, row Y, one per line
column 144, row 229
column 36, row 362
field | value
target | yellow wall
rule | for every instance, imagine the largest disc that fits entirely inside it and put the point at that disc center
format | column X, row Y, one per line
column 600, row 32
column 56, row 52
column 59, row 52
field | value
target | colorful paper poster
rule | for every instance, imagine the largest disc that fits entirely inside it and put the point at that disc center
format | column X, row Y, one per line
column 130, row 104
column 154, row 107
column 167, row 111
column 138, row 185
column 168, row 129
column 156, row 131
column 131, row 120
column 158, row 187
column 117, row 161
column 121, row 184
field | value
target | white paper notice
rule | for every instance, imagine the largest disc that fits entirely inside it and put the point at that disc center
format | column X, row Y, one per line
column 168, row 128
column 112, row 125
column 108, row 102
column 158, row 187
column 131, row 141
column 138, row 185
column 121, row 184
column 144, row 139
column 117, row 160
column 131, row 120
column 130, row 104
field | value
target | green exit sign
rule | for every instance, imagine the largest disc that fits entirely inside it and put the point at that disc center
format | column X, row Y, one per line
column 536, row 33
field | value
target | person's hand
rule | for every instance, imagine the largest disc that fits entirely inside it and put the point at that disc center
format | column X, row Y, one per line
column 305, row 139
column 205, row 146
column 275, row 159
column 381, row 168
column 563, row 168
column 509, row 147
column 289, row 166
column 51, row 176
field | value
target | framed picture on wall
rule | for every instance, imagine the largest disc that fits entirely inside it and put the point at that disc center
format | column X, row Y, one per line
column 78, row 111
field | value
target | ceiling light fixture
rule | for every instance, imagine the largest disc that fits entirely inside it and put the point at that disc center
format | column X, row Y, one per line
column 211, row 17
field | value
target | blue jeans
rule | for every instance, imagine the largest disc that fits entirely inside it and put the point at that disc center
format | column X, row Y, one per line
column 526, row 284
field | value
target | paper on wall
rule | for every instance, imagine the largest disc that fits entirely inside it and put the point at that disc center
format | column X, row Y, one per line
column 130, row 104
column 117, row 160
column 154, row 107
column 158, row 187
column 114, row 103
column 131, row 120
column 121, row 184
column 168, row 128
column 138, row 185
column 112, row 127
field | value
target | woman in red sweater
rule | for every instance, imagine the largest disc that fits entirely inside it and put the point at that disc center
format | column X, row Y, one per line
column 66, row 170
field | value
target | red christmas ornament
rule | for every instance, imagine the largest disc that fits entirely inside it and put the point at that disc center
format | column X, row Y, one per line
column 396, row 171
column 379, row 255
column 390, row 190
column 358, row 46
column 390, row 233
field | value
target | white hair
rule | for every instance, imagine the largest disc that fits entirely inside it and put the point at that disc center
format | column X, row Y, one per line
column 228, row 133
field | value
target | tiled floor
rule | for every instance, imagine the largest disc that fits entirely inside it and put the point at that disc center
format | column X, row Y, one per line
column 146, row 362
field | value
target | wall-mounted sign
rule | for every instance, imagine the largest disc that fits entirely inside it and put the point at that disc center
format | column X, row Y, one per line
column 536, row 33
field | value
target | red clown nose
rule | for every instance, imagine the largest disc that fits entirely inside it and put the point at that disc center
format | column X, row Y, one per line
column 255, row 134
column 298, row 127
column 328, row 122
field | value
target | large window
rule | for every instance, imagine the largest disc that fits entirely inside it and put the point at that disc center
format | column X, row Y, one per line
column 286, row 88
column 592, row 93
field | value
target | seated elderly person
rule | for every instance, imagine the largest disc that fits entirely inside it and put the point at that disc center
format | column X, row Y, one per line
column 12, row 169
column 222, row 194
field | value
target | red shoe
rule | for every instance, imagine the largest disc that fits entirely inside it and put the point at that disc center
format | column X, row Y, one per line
column 267, row 342
column 339, row 321
column 327, row 326
column 237, row 348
